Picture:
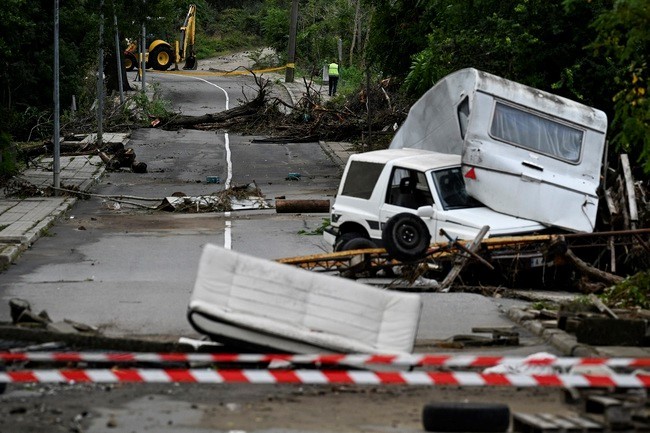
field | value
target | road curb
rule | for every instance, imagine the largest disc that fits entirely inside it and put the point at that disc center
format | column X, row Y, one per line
column 565, row 343
column 91, row 341
column 331, row 154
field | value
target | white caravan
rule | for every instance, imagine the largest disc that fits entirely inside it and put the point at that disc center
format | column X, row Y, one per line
column 525, row 152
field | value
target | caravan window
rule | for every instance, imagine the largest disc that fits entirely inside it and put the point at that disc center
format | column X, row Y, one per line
column 537, row 133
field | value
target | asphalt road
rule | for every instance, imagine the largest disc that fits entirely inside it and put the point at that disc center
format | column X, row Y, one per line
column 130, row 272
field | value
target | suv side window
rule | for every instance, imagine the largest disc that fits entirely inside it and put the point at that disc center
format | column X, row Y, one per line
column 361, row 179
column 408, row 188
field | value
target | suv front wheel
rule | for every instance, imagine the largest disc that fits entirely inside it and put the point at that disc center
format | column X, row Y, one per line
column 406, row 237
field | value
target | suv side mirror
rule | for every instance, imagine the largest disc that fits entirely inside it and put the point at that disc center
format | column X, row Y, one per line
column 426, row 212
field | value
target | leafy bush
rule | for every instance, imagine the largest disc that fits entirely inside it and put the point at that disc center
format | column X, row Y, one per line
column 8, row 166
column 156, row 107
column 632, row 292
column 211, row 46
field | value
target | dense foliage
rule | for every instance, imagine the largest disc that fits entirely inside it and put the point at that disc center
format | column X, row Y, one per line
column 593, row 51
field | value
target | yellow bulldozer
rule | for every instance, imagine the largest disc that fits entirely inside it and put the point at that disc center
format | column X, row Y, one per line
column 161, row 55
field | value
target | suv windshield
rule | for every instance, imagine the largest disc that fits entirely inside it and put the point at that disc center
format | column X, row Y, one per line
column 451, row 189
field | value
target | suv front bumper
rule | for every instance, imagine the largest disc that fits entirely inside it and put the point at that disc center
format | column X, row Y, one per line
column 329, row 235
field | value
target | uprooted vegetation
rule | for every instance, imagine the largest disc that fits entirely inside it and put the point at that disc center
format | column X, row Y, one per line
column 373, row 112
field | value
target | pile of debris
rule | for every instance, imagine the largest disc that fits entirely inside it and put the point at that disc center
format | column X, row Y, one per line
column 374, row 110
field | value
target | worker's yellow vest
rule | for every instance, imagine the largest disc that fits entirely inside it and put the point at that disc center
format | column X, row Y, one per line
column 333, row 70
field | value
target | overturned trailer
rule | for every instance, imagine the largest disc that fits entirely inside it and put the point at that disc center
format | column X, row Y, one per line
column 525, row 152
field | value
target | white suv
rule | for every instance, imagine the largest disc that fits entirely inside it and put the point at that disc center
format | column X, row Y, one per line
column 401, row 198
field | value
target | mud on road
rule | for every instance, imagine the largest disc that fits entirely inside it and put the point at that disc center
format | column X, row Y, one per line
column 243, row 407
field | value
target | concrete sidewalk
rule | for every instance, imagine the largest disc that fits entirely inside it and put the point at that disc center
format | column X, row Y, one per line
column 24, row 220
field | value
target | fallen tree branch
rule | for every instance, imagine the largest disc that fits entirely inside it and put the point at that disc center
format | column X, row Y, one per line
column 590, row 271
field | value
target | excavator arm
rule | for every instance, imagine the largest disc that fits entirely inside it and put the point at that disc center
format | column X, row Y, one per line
column 187, row 40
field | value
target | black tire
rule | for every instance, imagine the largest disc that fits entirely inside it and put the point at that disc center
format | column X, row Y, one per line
column 190, row 63
column 358, row 243
column 130, row 61
column 161, row 58
column 466, row 417
column 3, row 386
column 344, row 239
column 406, row 237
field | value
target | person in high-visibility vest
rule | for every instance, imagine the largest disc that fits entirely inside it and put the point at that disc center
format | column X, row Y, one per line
column 333, row 72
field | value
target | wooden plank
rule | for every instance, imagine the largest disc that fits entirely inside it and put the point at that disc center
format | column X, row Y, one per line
column 531, row 423
column 602, row 307
column 549, row 423
column 611, row 206
column 612, row 254
column 629, row 188
column 587, row 425
column 451, row 276
column 492, row 329
column 563, row 424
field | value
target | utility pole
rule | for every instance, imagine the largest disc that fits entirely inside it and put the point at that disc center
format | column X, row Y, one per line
column 100, row 79
column 291, row 57
column 118, row 55
column 143, row 46
column 55, row 137
column 143, row 57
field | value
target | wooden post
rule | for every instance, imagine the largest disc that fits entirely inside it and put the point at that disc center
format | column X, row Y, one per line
column 460, row 264
column 629, row 188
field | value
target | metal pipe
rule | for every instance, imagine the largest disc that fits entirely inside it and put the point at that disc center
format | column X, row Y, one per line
column 55, row 137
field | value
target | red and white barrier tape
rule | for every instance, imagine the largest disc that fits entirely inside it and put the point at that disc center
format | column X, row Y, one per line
column 318, row 377
column 432, row 360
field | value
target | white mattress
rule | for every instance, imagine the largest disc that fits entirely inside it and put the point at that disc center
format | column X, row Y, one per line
column 239, row 297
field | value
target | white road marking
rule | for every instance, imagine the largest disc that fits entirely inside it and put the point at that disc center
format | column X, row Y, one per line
column 227, row 234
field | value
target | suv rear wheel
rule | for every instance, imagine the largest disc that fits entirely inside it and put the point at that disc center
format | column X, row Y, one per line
column 353, row 241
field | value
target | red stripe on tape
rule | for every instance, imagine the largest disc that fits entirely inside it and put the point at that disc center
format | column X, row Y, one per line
column 67, row 357
column 391, row 378
column 13, row 357
column 75, row 376
column 486, row 361
column 173, row 357
column 338, row 376
column 600, row 381
column 120, row 357
column 331, row 359
column 285, row 376
column 180, row 376
column 593, row 361
column 547, row 380
column 233, row 376
column 496, row 379
column 128, row 375
column 381, row 359
column 443, row 378
column 434, row 360
column 22, row 376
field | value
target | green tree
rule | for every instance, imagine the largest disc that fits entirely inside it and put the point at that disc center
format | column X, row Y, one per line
column 399, row 30
column 624, row 39
column 530, row 41
column 27, row 59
